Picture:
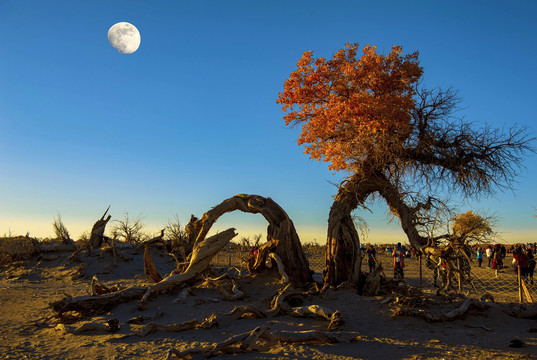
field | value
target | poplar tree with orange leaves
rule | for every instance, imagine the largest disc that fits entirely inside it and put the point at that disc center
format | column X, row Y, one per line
column 366, row 115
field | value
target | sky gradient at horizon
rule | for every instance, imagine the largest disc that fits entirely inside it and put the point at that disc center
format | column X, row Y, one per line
column 191, row 119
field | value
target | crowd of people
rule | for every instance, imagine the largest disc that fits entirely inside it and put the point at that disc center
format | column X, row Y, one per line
column 523, row 258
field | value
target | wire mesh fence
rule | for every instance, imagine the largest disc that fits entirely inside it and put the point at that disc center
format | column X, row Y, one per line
column 502, row 284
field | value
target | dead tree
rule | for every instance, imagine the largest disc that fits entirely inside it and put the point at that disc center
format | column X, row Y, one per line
column 97, row 232
column 282, row 237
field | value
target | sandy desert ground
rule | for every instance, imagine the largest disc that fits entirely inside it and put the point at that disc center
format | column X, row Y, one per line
column 28, row 325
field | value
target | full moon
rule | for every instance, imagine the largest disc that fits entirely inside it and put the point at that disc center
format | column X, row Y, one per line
column 124, row 37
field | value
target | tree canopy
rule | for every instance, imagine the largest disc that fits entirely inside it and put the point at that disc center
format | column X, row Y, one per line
column 348, row 104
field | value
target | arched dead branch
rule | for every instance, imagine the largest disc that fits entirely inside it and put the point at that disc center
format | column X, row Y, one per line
column 282, row 237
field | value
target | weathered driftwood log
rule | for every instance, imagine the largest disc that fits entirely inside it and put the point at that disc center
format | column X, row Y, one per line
column 372, row 282
column 100, row 289
column 436, row 317
column 98, row 304
column 149, row 266
column 54, row 247
column 150, row 328
column 261, row 337
column 335, row 318
column 281, row 268
column 202, row 255
column 282, row 237
column 201, row 258
column 234, row 295
column 228, row 346
column 278, row 307
column 111, row 325
column 309, row 336
column 97, row 231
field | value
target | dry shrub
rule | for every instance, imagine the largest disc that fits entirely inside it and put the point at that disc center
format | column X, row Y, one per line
column 16, row 249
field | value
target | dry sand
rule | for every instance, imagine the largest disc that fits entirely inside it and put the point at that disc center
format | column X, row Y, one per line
column 27, row 326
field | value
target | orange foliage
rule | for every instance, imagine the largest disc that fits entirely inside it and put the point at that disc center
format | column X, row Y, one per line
column 346, row 105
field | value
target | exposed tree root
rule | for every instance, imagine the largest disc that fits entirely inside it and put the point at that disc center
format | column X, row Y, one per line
column 279, row 308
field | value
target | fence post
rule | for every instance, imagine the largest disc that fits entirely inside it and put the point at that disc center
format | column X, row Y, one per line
column 460, row 274
column 419, row 257
column 519, row 284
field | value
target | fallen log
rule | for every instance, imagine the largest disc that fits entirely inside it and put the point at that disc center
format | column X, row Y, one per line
column 111, row 325
column 98, row 304
column 100, row 289
column 309, row 336
column 437, row 317
column 201, row 258
column 228, row 346
column 150, row 328
column 261, row 337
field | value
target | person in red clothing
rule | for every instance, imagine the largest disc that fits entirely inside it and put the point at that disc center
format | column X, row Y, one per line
column 398, row 262
column 521, row 262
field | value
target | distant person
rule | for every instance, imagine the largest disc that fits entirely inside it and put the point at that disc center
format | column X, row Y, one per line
column 253, row 251
column 398, row 262
column 371, row 258
column 479, row 255
column 489, row 253
column 497, row 262
column 521, row 262
column 503, row 251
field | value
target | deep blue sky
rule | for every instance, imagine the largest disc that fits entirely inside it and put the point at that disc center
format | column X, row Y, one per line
column 191, row 118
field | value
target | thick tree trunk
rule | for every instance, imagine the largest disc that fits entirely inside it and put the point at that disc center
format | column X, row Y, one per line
column 343, row 257
column 282, row 237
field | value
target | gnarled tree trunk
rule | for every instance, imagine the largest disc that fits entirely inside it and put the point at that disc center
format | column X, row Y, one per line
column 282, row 237
column 407, row 216
column 343, row 257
